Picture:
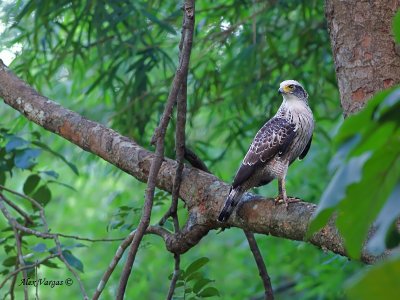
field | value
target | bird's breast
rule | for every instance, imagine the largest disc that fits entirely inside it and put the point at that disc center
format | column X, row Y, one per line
column 302, row 117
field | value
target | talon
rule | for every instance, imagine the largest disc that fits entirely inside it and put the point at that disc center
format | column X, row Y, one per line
column 286, row 202
column 281, row 200
column 293, row 200
column 278, row 199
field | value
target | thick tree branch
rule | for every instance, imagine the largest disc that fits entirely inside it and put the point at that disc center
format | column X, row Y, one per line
column 203, row 193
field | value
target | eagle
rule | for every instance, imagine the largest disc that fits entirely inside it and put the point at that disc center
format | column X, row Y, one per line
column 283, row 139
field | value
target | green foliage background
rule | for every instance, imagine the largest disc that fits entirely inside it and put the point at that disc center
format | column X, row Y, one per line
column 113, row 62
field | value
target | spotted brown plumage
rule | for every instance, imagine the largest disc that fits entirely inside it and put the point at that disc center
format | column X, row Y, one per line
column 284, row 138
column 272, row 139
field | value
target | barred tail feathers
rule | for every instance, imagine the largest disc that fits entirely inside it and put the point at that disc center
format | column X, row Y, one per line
column 230, row 203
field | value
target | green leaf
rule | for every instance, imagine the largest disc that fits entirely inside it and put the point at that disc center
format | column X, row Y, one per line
column 360, row 123
column 389, row 103
column 77, row 245
column 200, row 284
column 40, row 248
column 377, row 137
column 392, row 238
column 42, row 195
column 4, row 272
column 196, row 265
column 14, row 143
column 24, row 159
column 50, row 264
column 9, row 248
column 193, row 276
column 386, row 219
column 52, row 174
column 366, row 198
column 31, row 183
column 396, row 27
column 10, row 261
column 208, row 292
column 336, row 191
column 6, row 164
column 378, row 282
column 30, row 271
column 72, row 260
column 2, row 178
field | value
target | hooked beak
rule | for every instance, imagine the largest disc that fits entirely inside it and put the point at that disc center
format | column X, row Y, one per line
column 280, row 91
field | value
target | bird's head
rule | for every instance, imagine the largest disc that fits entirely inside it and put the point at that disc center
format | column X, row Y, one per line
column 292, row 90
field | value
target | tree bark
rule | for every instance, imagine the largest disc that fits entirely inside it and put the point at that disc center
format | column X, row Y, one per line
column 203, row 193
column 366, row 57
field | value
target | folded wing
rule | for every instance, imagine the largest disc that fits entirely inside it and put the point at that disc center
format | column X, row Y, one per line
column 274, row 138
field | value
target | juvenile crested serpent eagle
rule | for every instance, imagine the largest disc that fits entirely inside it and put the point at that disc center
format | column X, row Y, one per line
column 283, row 139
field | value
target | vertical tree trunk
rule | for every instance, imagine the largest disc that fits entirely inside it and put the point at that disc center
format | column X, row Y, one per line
column 365, row 54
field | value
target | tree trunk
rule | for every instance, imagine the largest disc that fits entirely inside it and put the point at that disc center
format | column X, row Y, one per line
column 365, row 54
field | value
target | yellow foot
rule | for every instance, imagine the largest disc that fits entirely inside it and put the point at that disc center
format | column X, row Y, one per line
column 280, row 199
column 284, row 200
column 293, row 200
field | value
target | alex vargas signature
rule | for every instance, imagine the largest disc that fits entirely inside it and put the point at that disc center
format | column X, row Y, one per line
column 45, row 282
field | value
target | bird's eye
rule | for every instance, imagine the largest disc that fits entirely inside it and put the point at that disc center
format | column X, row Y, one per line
column 291, row 86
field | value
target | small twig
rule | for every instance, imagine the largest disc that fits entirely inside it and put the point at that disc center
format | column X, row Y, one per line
column 144, row 220
column 18, row 242
column 180, row 141
column 14, row 224
column 33, row 201
column 180, row 129
column 18, row 210
column 40, row 234
column 195, row 161
column 158, row 139
column 12, row 286
column 45, row 235
column 60, row 252
column 175, row 276
column 120, row 251
column 27, row 230
column 69, row 267
column 36, row 278
column 269, row 294
column 75, row 237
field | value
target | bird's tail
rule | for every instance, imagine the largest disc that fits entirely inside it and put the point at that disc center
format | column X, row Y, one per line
column 230, row 203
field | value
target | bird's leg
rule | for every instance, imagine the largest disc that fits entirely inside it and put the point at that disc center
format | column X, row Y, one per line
column 282, row 197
